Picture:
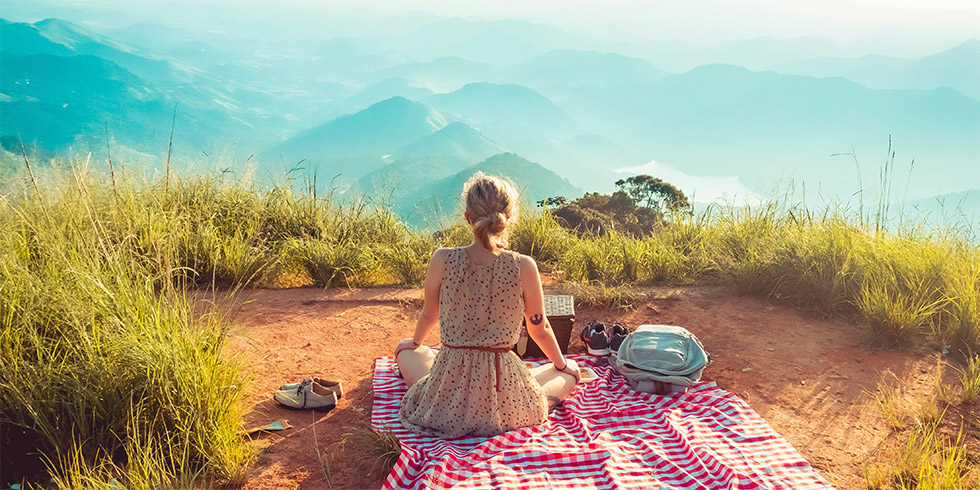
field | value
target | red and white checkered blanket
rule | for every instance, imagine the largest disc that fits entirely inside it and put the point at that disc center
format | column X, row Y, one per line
column 604, row 436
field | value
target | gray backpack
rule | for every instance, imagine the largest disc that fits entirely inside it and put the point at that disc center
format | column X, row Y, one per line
column 660, row 359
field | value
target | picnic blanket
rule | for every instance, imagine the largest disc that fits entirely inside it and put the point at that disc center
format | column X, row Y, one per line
column 605, row 435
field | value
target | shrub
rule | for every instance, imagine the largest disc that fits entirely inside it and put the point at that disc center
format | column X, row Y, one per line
column 598, row 214
column 542, row 237
column 343, row 263
column 408, row 262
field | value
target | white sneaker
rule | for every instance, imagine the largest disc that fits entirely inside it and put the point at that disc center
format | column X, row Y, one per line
column 333, row 386
column 307, row 395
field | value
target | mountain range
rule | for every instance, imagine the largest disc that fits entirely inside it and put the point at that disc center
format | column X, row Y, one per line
column 951, row 68
column 109, row 83
column 409, row 112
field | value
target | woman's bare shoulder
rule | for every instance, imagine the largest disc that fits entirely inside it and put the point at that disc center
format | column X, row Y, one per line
column 441, row 255
column 527, row 262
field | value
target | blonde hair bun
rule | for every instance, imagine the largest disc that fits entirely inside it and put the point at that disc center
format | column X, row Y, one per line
column 491, row 204
column 499, row 223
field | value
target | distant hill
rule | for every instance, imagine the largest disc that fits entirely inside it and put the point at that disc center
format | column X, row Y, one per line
column 568, row 67
column 506, row 108
column 956, row 208
column 356, row 143
column 111, row 83
column 755, row 53
column 443, row 73
column 428, row 159
column 57, row 37
column 400, row 182
column 374, row 93
column 455, row 140
column 349, row 56
column 386, row 89
column 957, row 68
column 520, row 119
column 440, row 201
column 17, row 38
column 42, row 105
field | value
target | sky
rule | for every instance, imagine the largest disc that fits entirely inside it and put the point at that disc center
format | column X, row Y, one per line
column 904, row 24
column 908, row 28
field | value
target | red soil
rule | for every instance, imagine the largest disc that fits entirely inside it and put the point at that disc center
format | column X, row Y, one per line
column 810, row 378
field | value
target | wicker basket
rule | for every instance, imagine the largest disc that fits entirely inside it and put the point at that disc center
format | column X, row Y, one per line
column 560, row 310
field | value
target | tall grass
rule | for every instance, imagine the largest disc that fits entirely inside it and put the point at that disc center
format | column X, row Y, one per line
column 104, row 361
column 540, row 236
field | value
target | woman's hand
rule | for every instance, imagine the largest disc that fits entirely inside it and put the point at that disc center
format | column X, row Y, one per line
column 571, row 369
column 407, row 344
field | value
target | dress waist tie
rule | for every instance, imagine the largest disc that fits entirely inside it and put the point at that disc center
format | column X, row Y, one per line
column 497, row 351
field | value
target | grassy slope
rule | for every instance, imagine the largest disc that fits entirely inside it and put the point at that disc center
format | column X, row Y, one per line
column 91, row 298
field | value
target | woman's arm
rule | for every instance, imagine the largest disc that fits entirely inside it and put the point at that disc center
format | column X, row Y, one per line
column 430, row 304
column 538, row 326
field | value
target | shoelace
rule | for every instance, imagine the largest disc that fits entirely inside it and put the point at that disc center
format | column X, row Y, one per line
column 302, row 384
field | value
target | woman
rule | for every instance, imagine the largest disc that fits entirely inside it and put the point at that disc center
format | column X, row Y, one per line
column 475, row 385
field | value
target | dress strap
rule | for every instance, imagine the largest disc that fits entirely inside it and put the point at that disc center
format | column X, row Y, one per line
column 517, row 265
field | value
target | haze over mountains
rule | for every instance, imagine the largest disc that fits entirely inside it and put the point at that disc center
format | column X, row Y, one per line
column 403, row 112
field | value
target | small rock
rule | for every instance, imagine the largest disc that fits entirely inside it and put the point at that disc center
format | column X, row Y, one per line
column 802, row 382
column 771, row 349
column 308, row 344
column 747, row 369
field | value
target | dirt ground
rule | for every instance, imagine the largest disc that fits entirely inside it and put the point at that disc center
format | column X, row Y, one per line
column 810, row 378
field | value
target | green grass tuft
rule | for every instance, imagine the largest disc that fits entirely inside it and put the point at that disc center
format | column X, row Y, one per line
column 970, row 380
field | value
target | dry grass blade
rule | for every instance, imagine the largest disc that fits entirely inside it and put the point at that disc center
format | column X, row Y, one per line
column 382, row 446
column 892, row 404
column 324, row 465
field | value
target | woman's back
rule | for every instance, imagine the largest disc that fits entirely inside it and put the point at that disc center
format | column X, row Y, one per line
column 477, row 385
column 481, row 304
